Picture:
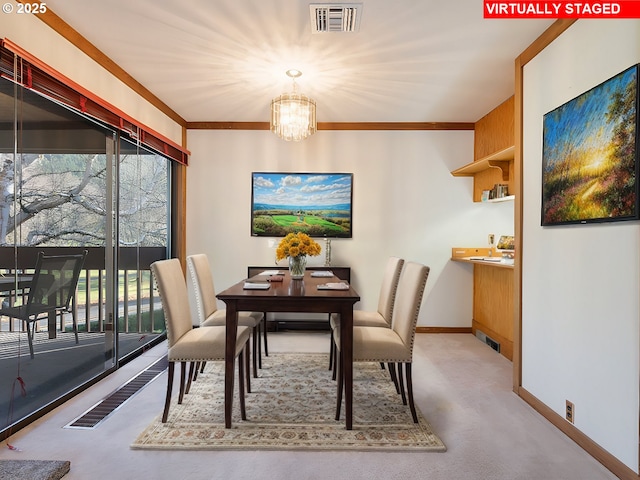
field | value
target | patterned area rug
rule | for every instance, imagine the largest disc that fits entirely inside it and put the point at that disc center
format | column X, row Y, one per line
column 292, row 406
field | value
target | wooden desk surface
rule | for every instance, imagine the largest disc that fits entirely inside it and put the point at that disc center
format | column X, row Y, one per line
column 491, row 263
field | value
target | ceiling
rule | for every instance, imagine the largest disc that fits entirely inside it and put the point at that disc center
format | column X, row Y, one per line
column 224, row 60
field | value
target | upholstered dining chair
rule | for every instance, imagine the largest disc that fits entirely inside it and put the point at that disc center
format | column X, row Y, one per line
column 188, row 344
column 391, row 345
column 202, row 295
column 380, row 317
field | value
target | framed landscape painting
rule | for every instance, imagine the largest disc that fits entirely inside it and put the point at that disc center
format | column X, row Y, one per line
column 590, row 155
column 318, row 204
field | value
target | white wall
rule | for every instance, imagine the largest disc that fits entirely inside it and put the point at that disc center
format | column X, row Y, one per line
column 34, row 36
column 580, row 308
column 406, row 203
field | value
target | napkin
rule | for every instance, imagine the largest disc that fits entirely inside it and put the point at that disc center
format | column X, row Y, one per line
column 256, row 286
column 334, row 286
column 322, row 273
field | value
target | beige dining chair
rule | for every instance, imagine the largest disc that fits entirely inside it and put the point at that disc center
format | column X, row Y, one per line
column 380, row 317
column 188, row 344
column 391, row 345
column 202, row 297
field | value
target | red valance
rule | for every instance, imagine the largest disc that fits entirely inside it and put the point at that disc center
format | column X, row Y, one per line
column 35, row 75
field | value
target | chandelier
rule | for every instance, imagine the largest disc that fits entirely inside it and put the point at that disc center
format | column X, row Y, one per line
column 293, row 115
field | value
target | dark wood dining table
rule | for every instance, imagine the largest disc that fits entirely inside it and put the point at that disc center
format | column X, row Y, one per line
column 290, row 295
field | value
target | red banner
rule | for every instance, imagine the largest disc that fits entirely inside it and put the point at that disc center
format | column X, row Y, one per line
column 561, row 9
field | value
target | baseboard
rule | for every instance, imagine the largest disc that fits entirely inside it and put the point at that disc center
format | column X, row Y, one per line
column 443, row 329
column 610, row 462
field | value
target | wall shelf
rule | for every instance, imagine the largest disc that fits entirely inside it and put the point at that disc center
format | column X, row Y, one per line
column 501, row 160
column 508, row 198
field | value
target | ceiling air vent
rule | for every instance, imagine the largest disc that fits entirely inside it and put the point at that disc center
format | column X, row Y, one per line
column 335, row 17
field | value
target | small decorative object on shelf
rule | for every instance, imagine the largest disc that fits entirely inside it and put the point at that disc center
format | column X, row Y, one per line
column 296, row 246
column 500, row 190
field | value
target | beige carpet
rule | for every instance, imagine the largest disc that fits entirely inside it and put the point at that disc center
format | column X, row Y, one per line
column 33, row 469
column 292, row 406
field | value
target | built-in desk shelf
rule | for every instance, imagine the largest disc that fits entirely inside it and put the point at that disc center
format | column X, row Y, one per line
column 493, row 312
column 490, row 263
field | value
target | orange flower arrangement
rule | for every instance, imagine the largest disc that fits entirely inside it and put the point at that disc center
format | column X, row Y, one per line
column 297, row 245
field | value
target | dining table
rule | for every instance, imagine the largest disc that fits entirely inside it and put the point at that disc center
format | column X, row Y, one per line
column 276, row 291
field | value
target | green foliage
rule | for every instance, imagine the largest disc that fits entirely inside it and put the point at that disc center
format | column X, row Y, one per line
column 318, row 223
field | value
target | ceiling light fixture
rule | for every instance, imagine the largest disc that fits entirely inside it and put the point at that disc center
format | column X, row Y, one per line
column 293, row 115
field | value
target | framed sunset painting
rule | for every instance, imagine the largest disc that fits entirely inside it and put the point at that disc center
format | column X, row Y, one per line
column 590, row 155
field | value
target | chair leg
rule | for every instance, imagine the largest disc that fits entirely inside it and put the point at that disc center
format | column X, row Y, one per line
column 259, row 328
column 401, row 383
column 412, row 406
column 331, row 348
column 247, row 370
column 31, row 333
column 192, row 367
column 195, row 372
column 394, row 377
column 167, row 401
column 202, row 367
column 75, row 325
column 266, row 347
column 338, row 366
column 241, row 375
column 255, row 352
column 335, row 361
column 183, row 372
column 256, row 355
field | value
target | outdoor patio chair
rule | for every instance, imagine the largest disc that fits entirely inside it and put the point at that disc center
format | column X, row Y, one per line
column 50, row 292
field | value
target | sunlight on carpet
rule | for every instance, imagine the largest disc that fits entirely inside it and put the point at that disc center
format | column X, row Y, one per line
column 292, row 406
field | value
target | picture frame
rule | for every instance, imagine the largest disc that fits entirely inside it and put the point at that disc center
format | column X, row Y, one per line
column 318, row 204
column 590, row 155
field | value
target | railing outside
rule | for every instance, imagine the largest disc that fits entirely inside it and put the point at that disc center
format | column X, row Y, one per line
column 138, row 305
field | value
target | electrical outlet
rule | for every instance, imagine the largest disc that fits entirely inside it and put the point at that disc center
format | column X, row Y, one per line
column 570, row 412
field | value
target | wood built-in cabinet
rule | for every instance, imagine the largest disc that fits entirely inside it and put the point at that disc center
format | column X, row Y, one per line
column 493, row 283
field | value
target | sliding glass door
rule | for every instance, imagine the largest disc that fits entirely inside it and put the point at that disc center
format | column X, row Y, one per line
column 70, row 184
column 143, row 238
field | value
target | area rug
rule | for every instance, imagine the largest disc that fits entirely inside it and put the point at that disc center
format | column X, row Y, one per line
column 33, row 469
column 292, row 406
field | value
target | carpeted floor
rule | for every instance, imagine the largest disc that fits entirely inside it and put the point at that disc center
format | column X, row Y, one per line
column 33, row 469
column 292, row 406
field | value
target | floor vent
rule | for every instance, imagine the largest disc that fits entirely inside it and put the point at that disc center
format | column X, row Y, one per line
column 335, row 17
column 99, row 412
column 488, row 340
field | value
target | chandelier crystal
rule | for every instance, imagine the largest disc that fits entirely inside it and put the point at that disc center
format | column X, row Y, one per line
column 293, row 115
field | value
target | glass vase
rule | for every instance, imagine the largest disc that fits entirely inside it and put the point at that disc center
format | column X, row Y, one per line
column 297, row 266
